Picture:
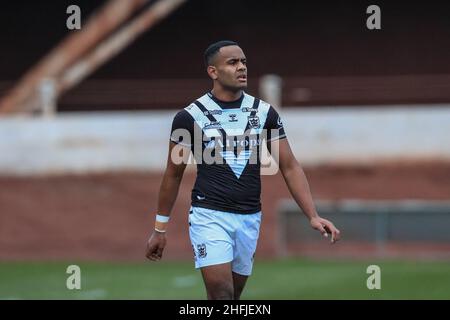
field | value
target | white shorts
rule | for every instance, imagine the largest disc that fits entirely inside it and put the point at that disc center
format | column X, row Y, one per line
column 220, row 237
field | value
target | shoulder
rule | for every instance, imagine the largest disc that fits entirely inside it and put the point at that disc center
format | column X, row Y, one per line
column 272, row 111
column 182, row 116
column 273, row 119
column 255, row 102
column 186, row 113
column 196, row 108
column 182, row 119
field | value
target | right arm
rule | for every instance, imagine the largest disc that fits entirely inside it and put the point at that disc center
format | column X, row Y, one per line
column 167, row 195
column 170, row 184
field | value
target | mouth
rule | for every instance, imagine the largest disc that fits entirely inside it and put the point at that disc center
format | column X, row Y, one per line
column 242, row 78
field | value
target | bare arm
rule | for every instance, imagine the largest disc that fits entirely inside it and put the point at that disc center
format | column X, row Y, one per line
column 168, row 192
column 170, row 184
column 299, row 188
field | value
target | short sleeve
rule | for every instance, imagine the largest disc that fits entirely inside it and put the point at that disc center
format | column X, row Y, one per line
column 274, row 125
column 182, row 129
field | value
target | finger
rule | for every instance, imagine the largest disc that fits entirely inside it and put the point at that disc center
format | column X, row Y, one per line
column 330, row 229
column 151, row 254
column 322, row 230
column 150, row 257
column 148, row 252
column 155, row 257
column 334, row 235
column 159, row 252
column 338, row 235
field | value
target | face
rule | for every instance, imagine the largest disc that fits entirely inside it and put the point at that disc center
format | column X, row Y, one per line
column 229, row 68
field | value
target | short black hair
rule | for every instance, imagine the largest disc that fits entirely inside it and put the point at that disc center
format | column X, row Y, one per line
column 212, row 50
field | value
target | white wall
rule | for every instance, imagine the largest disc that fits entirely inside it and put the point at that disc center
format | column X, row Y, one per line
column 138, row 141
column 369, row 134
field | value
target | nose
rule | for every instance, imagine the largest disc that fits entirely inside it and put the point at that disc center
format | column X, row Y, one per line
column 241, row 66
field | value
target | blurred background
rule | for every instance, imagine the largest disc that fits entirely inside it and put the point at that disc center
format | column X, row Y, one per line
column 85, row 117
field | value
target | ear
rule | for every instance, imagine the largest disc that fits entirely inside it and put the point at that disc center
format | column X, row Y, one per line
column 212, row 72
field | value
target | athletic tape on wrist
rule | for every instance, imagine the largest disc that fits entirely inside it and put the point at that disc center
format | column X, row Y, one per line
column 162, row 219
column 161, row 223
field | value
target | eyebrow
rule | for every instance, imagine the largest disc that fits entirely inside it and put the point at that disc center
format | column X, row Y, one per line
column 231, row 59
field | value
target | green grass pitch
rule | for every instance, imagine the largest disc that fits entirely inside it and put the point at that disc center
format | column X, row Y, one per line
column 293, row 279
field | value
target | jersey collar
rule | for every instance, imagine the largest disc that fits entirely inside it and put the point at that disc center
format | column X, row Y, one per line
column 236, row 104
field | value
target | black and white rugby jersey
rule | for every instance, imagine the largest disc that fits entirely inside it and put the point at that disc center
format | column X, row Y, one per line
column 226, row 139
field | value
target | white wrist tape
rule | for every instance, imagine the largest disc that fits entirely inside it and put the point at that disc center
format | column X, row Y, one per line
column 161, row 223
column 162, row 219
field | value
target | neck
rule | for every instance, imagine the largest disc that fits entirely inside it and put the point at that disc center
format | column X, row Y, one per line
column 226, row 95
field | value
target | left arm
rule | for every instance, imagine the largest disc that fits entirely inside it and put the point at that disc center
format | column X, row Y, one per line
column 299, row 188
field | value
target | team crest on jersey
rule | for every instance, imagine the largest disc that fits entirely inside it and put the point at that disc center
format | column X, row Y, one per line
column 233, row 117
column 254, row 122
column 201, row 250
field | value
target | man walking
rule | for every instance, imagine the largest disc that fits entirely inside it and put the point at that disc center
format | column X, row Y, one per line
column 225, row 130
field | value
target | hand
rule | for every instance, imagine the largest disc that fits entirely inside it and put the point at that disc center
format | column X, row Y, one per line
column 326, row 227
column 155, row 246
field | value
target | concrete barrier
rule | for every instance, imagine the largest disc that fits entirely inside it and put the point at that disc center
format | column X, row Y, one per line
column 93, row 142
column 378, row 226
